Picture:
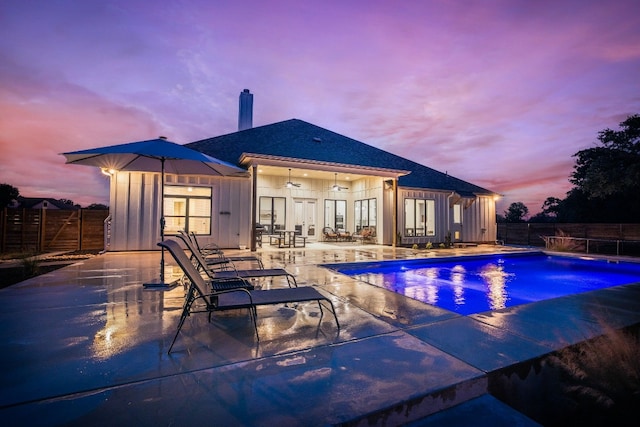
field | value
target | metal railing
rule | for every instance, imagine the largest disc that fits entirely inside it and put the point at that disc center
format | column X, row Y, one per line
column 588, row 245
column 107, row 233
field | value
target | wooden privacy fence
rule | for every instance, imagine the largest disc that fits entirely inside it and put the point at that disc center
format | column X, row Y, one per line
column 619, row 239
column 51, row 230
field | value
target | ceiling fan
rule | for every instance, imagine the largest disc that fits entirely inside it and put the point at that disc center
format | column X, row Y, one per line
column 290, row 184
column 337, row 187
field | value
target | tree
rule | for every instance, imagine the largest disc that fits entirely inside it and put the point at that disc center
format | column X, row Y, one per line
column 516, row 212
column 98, row 206
column 612, row 169
column 70, row 203
column 549, row 212
column 550, row 206
column 606, row 180
column 8, row 193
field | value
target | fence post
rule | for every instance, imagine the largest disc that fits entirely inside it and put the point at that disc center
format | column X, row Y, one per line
column 3, row 243
column 42, row 230
column 80, row 220
column 22, row 222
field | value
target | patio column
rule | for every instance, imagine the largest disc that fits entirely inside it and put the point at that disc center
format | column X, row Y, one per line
column 395, row 212
column 254, row 200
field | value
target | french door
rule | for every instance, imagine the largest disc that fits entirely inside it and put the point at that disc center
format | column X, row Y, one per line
column 304, row 217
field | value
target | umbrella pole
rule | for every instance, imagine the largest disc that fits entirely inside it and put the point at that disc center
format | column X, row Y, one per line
column 161, row 285
column 162, row 219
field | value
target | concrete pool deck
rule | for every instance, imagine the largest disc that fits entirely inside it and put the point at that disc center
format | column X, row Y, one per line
column 87, row 345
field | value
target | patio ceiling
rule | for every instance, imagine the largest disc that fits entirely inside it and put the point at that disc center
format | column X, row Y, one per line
column 279, row 166
column 297, row 173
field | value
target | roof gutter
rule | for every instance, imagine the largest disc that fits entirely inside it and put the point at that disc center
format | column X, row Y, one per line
column 252, row 159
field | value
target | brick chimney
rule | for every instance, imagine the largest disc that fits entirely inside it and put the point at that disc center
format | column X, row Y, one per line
column 245, row 116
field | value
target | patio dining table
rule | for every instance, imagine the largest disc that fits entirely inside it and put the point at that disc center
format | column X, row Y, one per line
column 286, row 239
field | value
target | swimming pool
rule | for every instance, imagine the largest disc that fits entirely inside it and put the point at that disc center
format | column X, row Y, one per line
column 473, row 284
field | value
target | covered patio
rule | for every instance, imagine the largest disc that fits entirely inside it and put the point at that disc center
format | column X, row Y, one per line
column 87, row 345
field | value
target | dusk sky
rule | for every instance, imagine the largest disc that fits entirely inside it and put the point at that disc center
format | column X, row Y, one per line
column 498, row 93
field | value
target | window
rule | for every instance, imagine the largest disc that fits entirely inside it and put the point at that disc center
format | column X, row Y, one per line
column 419, row 217
column 457, row 213
column 188, row 209
column 272, row 213
column 365, row 213
column 335, row 214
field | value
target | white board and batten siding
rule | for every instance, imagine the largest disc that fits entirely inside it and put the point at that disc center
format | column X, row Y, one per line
column 478, row 218
column 135, row 209
column 479, row 221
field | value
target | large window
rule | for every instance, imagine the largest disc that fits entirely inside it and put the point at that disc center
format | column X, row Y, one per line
column 335, row 214
column 187, row 208
column 365, row 213
column 272, row 213
column 419, row 217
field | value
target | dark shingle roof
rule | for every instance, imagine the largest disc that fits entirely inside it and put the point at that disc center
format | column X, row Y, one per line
column 301, row 140
column 30, row 202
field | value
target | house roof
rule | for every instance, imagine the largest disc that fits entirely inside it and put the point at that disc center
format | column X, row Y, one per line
column 300, row 140
column 30, row 202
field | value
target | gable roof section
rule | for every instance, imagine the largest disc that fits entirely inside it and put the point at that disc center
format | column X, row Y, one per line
column 297, row 139
column 30, row 202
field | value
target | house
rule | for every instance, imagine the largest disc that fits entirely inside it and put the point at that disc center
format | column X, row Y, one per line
column 42, row 203
column 302, row 178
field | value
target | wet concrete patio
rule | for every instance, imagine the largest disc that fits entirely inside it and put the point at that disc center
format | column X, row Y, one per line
column 87, row 345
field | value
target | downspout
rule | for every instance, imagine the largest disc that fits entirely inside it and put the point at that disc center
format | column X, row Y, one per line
column 453, row 193
column 254, row 197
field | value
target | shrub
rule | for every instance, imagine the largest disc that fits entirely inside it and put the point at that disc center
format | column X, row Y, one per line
column 602, row 377
column 564, row 243
column 30, row 266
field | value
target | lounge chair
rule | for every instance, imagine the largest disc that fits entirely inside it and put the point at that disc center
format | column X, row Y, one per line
column 232, row 299
column 330, row 234
column 343, row 234
column 230, row 271
column 212, row 252
column 365, row 235
column 216, row 262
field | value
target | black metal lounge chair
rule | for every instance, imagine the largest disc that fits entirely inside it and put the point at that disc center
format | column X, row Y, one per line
column 232, row 299
column 230, row 271
column 214, row 255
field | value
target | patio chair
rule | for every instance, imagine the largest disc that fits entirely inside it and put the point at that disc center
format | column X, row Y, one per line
column 212, row 252
column 233, row 299
column 216, row 262
column 330, row 234
column 343, row 235
column 229, row 271
column 365, row 235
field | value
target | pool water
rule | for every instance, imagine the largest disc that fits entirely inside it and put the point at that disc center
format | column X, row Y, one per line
column 474, row 284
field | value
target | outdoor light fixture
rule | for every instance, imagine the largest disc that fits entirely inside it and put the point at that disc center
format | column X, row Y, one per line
column 337, row 187
column 290, row 184
column 108, row 172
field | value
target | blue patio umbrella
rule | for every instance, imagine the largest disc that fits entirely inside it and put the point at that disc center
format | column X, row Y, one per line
column 155, row 155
